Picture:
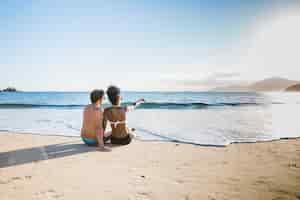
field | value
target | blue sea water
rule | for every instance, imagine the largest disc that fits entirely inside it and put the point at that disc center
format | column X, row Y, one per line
column 205, row 118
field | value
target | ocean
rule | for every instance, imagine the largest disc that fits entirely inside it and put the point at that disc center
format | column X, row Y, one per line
column 202, row 118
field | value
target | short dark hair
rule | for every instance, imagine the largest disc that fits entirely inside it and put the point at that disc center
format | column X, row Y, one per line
column 96, row 95
column 113, row 92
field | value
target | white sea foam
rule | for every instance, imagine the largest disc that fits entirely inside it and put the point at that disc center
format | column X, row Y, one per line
column 218, row 125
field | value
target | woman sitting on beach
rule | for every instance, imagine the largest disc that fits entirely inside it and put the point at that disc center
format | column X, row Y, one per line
column 116, row 115
column 92, row 132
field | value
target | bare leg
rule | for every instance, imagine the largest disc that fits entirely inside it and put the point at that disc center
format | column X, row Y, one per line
column 107, row 134
column 106, row 137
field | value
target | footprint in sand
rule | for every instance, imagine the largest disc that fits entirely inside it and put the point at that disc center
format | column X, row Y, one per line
column 261, row 180
column 4, row 182
column 234, row 179
column 293, row 165
column 13, row 179
column 179, row 181
column 49, row 194
column 224, row 162
column 143, row 195
column 16, row 178
column 211, row 198
column 280, row 191
column 28, row 177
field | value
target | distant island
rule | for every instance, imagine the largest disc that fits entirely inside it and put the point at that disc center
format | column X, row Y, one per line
column 267, row 85
column 9, row 89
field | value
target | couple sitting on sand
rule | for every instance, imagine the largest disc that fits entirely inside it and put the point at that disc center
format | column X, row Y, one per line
column 95, row 119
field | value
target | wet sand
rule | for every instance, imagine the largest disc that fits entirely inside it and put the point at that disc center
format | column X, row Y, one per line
column 51, row 167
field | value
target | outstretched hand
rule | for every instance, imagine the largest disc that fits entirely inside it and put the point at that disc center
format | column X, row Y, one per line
column 135, row 104
column 142, row 100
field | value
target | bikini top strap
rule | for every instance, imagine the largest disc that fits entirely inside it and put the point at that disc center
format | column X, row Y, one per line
column 116, row 123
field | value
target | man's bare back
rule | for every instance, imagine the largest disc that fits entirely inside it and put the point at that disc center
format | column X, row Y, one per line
column 92, row 121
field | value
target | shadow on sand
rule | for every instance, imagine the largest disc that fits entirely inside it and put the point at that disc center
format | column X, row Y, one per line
column 35, row 154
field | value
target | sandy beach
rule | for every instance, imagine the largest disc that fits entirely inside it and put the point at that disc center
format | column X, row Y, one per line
column 51, row 167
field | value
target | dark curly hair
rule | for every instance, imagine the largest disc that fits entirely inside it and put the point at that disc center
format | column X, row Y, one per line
column 113, row 92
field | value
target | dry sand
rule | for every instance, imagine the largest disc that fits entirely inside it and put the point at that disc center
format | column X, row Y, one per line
column 50, row 167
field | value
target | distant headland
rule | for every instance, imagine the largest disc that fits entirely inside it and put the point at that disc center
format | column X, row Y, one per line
column 9, row 89
column 267, row 85
column 293, row 88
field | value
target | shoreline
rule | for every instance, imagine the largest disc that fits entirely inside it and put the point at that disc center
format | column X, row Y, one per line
column 163, row 141
column 57, row 167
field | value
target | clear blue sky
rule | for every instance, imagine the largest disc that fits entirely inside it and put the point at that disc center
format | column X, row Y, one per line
column 79, row 45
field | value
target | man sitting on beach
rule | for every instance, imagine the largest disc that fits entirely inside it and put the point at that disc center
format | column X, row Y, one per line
column 92, row 132
column 116, row 116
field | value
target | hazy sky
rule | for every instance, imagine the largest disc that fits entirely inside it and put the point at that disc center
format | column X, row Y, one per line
column 146, row 45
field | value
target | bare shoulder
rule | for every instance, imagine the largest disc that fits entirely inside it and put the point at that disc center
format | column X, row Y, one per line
column 87, row 107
